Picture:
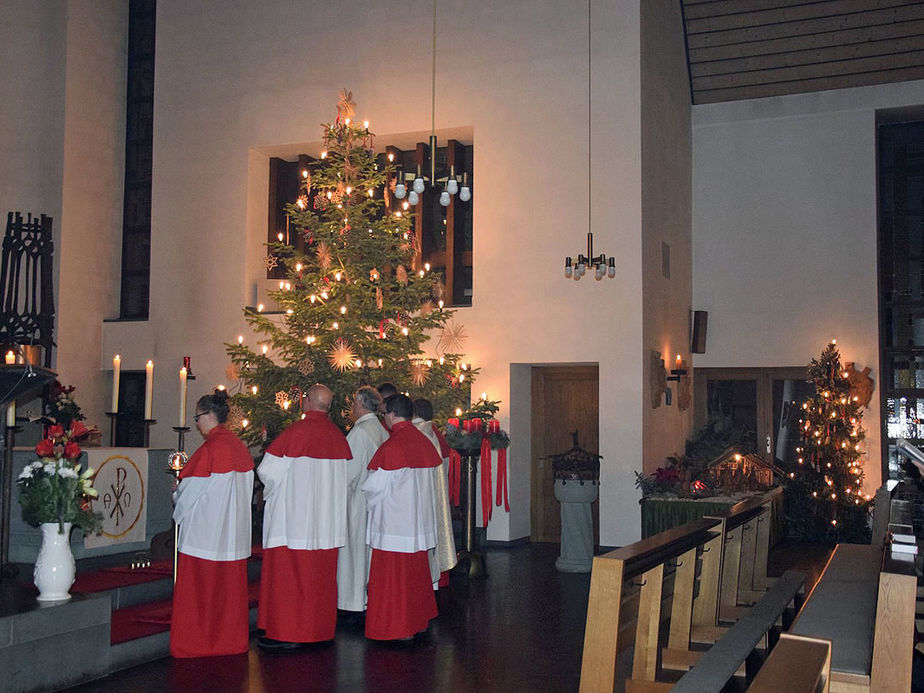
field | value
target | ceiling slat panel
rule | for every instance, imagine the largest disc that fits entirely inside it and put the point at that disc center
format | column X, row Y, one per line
column 809, row 85
column 815, row 11
column 700, row 9
column 880, row 32
column 844, row 54
column 803, row 72
column 905, row 13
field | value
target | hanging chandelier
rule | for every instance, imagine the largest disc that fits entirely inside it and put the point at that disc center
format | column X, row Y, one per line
column 452, row 183
column 603, row 266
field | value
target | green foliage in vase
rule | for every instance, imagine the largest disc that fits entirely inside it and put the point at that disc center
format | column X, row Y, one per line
column 356, row 307
column 824, row 499
column 55, row 487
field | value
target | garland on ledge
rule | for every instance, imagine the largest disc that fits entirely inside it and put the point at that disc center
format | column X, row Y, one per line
column 476, row 433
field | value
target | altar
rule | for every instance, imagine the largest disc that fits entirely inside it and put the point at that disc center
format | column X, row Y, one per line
column 134, row 499
column 660, row 513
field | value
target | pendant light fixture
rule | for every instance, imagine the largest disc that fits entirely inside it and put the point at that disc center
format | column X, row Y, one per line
column 603, row 266
column 452, row 183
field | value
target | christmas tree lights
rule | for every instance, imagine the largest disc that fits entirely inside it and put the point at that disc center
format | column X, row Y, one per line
column 354, row 307
column 824, row 488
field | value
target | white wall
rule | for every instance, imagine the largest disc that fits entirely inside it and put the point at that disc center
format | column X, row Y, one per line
column 666, row 217
column 62, row 95
column 235, row 78
column 92, row 192
column 784, row 229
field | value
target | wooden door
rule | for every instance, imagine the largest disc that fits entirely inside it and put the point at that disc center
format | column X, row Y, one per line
column 564, row 399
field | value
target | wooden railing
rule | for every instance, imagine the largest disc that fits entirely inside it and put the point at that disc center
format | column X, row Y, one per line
column 690, row 578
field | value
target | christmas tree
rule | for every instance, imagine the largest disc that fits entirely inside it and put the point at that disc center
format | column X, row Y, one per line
column 824, row 498
column 354, row 308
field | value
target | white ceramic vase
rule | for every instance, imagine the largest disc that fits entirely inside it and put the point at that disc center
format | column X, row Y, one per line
column 54, row 567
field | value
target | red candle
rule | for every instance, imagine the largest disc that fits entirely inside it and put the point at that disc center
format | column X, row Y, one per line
column 453, row 422
column 476, row 424
column 493, row 426
column 467, row 425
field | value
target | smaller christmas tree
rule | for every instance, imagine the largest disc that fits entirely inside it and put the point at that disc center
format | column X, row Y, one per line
column 824, row 499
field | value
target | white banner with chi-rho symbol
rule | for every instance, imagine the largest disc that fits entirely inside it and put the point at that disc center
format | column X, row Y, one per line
column 121, row 481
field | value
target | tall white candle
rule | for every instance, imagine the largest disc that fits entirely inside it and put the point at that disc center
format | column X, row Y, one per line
column 182, row 417
column 11, row 414
column 149, row 390
column 116, row 372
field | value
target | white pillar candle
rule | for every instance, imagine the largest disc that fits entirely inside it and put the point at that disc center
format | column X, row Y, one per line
column 116, row 374
column 182, row 418
column 149, row 390
column 11, row 414
column 10, row 357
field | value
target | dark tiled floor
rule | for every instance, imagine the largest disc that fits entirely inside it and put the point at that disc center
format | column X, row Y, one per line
column 521, row 629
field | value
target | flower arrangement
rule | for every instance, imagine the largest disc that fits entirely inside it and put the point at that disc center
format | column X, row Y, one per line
column 62, row 407
column 54, row 488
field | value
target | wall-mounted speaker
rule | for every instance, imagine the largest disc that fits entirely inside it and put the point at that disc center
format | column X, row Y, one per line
column 698, row 333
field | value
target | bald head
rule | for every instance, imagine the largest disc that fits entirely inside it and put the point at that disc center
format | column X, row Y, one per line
column 318, row 398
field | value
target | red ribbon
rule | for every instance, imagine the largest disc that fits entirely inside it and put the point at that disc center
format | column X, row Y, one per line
column 486, row 505
column 455, row 476
column 502, row 478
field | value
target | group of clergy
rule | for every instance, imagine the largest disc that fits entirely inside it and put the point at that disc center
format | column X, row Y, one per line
column 359, row 523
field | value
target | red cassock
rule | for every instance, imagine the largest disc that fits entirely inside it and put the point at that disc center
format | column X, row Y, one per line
column 401, row 528
column 212, row 510
column 304, row 523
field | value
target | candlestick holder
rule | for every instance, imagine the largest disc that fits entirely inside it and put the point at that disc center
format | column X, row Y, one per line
column 471, row 560
column 147, row 431
column 181, row 432
column 113, row 419
column 175, row 464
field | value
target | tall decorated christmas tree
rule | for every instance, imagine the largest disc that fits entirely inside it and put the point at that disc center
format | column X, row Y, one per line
column 354, row 307
column 824, row 496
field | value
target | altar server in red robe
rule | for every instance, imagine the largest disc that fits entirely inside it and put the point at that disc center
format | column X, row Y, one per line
column 304, row 472
column 401, row 528
column 212, row 510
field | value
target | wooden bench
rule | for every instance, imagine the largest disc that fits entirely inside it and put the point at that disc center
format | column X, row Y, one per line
column 864, row 603
column 796, row 665
column 723, row 660
column 631, row 589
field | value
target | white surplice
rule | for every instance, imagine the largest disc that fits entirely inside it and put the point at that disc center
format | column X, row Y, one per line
column 364, row 439
column 443, row 557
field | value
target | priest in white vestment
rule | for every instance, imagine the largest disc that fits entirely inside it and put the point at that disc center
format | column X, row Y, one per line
column 443, row 558
column 364, row 439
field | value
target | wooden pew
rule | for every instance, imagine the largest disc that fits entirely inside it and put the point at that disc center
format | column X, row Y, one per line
column 721, row 662
column 746, row 527
column 864, row 603
column 797, row 665
column 635, row 586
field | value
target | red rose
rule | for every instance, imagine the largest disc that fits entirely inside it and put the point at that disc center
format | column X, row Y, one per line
column 55, row 431
column 45, row 448
column 72, row 451
column 78, row 431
